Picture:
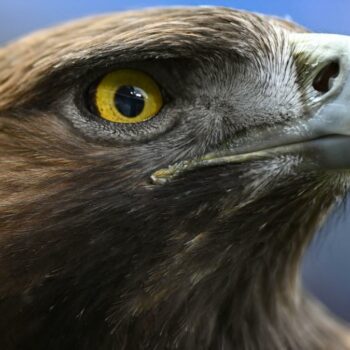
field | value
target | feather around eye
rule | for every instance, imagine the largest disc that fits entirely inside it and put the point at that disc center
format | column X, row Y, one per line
column 127, row 96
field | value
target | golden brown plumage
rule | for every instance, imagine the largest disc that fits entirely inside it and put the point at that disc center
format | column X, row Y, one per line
column 97, row 253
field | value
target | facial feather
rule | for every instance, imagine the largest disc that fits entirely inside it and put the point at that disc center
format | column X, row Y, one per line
column 93, row 254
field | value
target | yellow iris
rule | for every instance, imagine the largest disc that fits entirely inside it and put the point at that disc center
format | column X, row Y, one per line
column 128, row 96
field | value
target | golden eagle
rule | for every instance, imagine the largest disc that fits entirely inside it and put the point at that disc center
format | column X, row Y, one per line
column 161, row 173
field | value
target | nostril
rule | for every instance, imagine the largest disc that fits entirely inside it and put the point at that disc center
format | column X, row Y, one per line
column 324, row 79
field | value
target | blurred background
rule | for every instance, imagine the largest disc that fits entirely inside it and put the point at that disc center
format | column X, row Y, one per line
column 326, row 268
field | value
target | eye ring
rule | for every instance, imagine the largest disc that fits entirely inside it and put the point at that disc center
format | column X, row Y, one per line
column 127, row 96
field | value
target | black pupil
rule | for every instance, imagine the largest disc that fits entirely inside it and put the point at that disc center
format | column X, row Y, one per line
column 129, row 101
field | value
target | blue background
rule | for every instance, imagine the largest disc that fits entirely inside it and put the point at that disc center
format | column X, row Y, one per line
column 327, row 263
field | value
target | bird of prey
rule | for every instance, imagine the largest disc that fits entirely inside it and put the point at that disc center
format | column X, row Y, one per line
column 161, row 174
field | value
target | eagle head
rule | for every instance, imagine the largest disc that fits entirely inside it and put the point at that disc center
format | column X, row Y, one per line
column 162, row 172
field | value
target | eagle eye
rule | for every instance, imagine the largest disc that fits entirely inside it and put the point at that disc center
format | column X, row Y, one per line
column 126, row 96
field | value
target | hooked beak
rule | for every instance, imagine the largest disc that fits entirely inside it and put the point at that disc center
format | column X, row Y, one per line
column 323, row 136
